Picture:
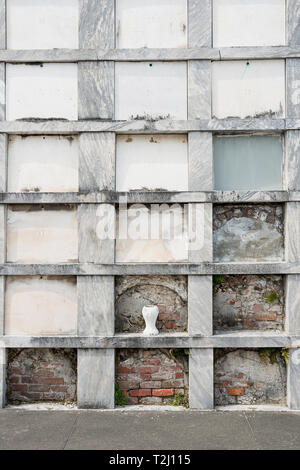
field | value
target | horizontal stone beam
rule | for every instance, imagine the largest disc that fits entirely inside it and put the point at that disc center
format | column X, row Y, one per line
column 141, row 126
column 144, row 54
column 161, row 341
column 114, row 197
column 136, row 269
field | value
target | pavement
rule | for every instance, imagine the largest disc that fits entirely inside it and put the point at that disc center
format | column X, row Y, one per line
column 148, row 430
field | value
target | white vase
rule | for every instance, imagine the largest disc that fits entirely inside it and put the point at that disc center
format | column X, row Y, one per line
column 150, row 314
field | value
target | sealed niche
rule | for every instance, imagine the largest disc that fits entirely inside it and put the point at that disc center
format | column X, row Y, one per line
column 248, row 89
column 42, row 234
column 250, row 377
column 150, row 90
column 152, row 376
column 42, row 375
column 156, row 23
column 169, row 293
column 248, row 162
column 152, row 233
column 41, row 91
column 248, row 302
column 42, row 163
column 42, row 24
column 152, row 163
column 248, row 232
column 40, row 305
column 248, row 23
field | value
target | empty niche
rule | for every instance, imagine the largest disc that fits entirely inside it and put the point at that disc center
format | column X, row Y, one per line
column 40, row 305
column 253, row 88
column 41, row 375
column 152, row 377
column 43, row 91
column 152, row 162
column 250, row 377
column 146, row 90
column 248, row 23
column 248, row 162
column 155, row 23
column 153, row 233
column 248, row 232
column 248, row 302
column 42, row 24
column 169, row 293
column 42, row 234
column 42, row 163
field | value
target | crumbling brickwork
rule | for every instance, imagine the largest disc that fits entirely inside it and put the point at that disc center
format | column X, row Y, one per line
column 248, row 232
column 248, row 302
column 35, row 375
column 249, row 377
column 151, row 376
column 169, row 293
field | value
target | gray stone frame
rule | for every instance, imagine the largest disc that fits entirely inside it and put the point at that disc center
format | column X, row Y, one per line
column 95, row 271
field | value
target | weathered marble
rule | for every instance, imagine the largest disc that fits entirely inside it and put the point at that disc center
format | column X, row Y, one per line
column 292, row 152
column 293, row 88
column 3, row 354
column 292, row 304
column 95, row 305
column 96, row 90
column 146, row 126
column 3, row 162
column 96, row 162
column 200, row 311
column 292, row 232
column 95, row 244
column 96, row 378
column 199, row 23
column 293, row 379
column 2, row 302
column 199, row 89
column 201, row 383
column 3, row 230
column 2, row 24
column 181, row 340
column 293, row 22
column 200, row 233
column 200, row 161
column 2, row 91
column 96, row 24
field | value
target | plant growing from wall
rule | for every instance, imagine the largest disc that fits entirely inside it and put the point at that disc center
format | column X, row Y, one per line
column 180, row 400
column 272, row 297
column 175, row 352
column 270, row 354
column 120, row 399
column 218, row 279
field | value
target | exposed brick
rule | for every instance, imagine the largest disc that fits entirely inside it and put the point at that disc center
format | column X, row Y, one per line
column 161, row 392
column 129, row 384
column 148, row 370
column 150, row 384
column 140, row 393
column 235, row 391
column 53, row 380
column 265, row 316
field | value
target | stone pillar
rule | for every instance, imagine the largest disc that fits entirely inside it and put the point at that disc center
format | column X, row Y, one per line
column 201, row 380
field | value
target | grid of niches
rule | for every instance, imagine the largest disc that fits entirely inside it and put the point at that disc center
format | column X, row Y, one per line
column 100, row 91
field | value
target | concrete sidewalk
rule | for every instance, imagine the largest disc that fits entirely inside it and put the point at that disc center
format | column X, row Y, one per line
column 148, row 430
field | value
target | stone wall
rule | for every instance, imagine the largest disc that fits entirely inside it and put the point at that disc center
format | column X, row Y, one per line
column 35, row 375
column 248, row 303
column 151, row 376
column 249, row 377
column 169, row 293
column 248, row 232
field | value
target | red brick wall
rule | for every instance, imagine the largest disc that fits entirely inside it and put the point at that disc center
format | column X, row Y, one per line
column 35, row 375
column 151, row 376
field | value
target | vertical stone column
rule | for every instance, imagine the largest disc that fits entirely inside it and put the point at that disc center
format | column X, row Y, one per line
column 199, row 23
column 200, row 233
column 293, row 380
column 200, row 154
column 293, row 22
column 200, row 307
column 96, row 378
column 199, row 89
column 96, row 24
column 201, row 381
column 3, row 361
column 293, row 88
